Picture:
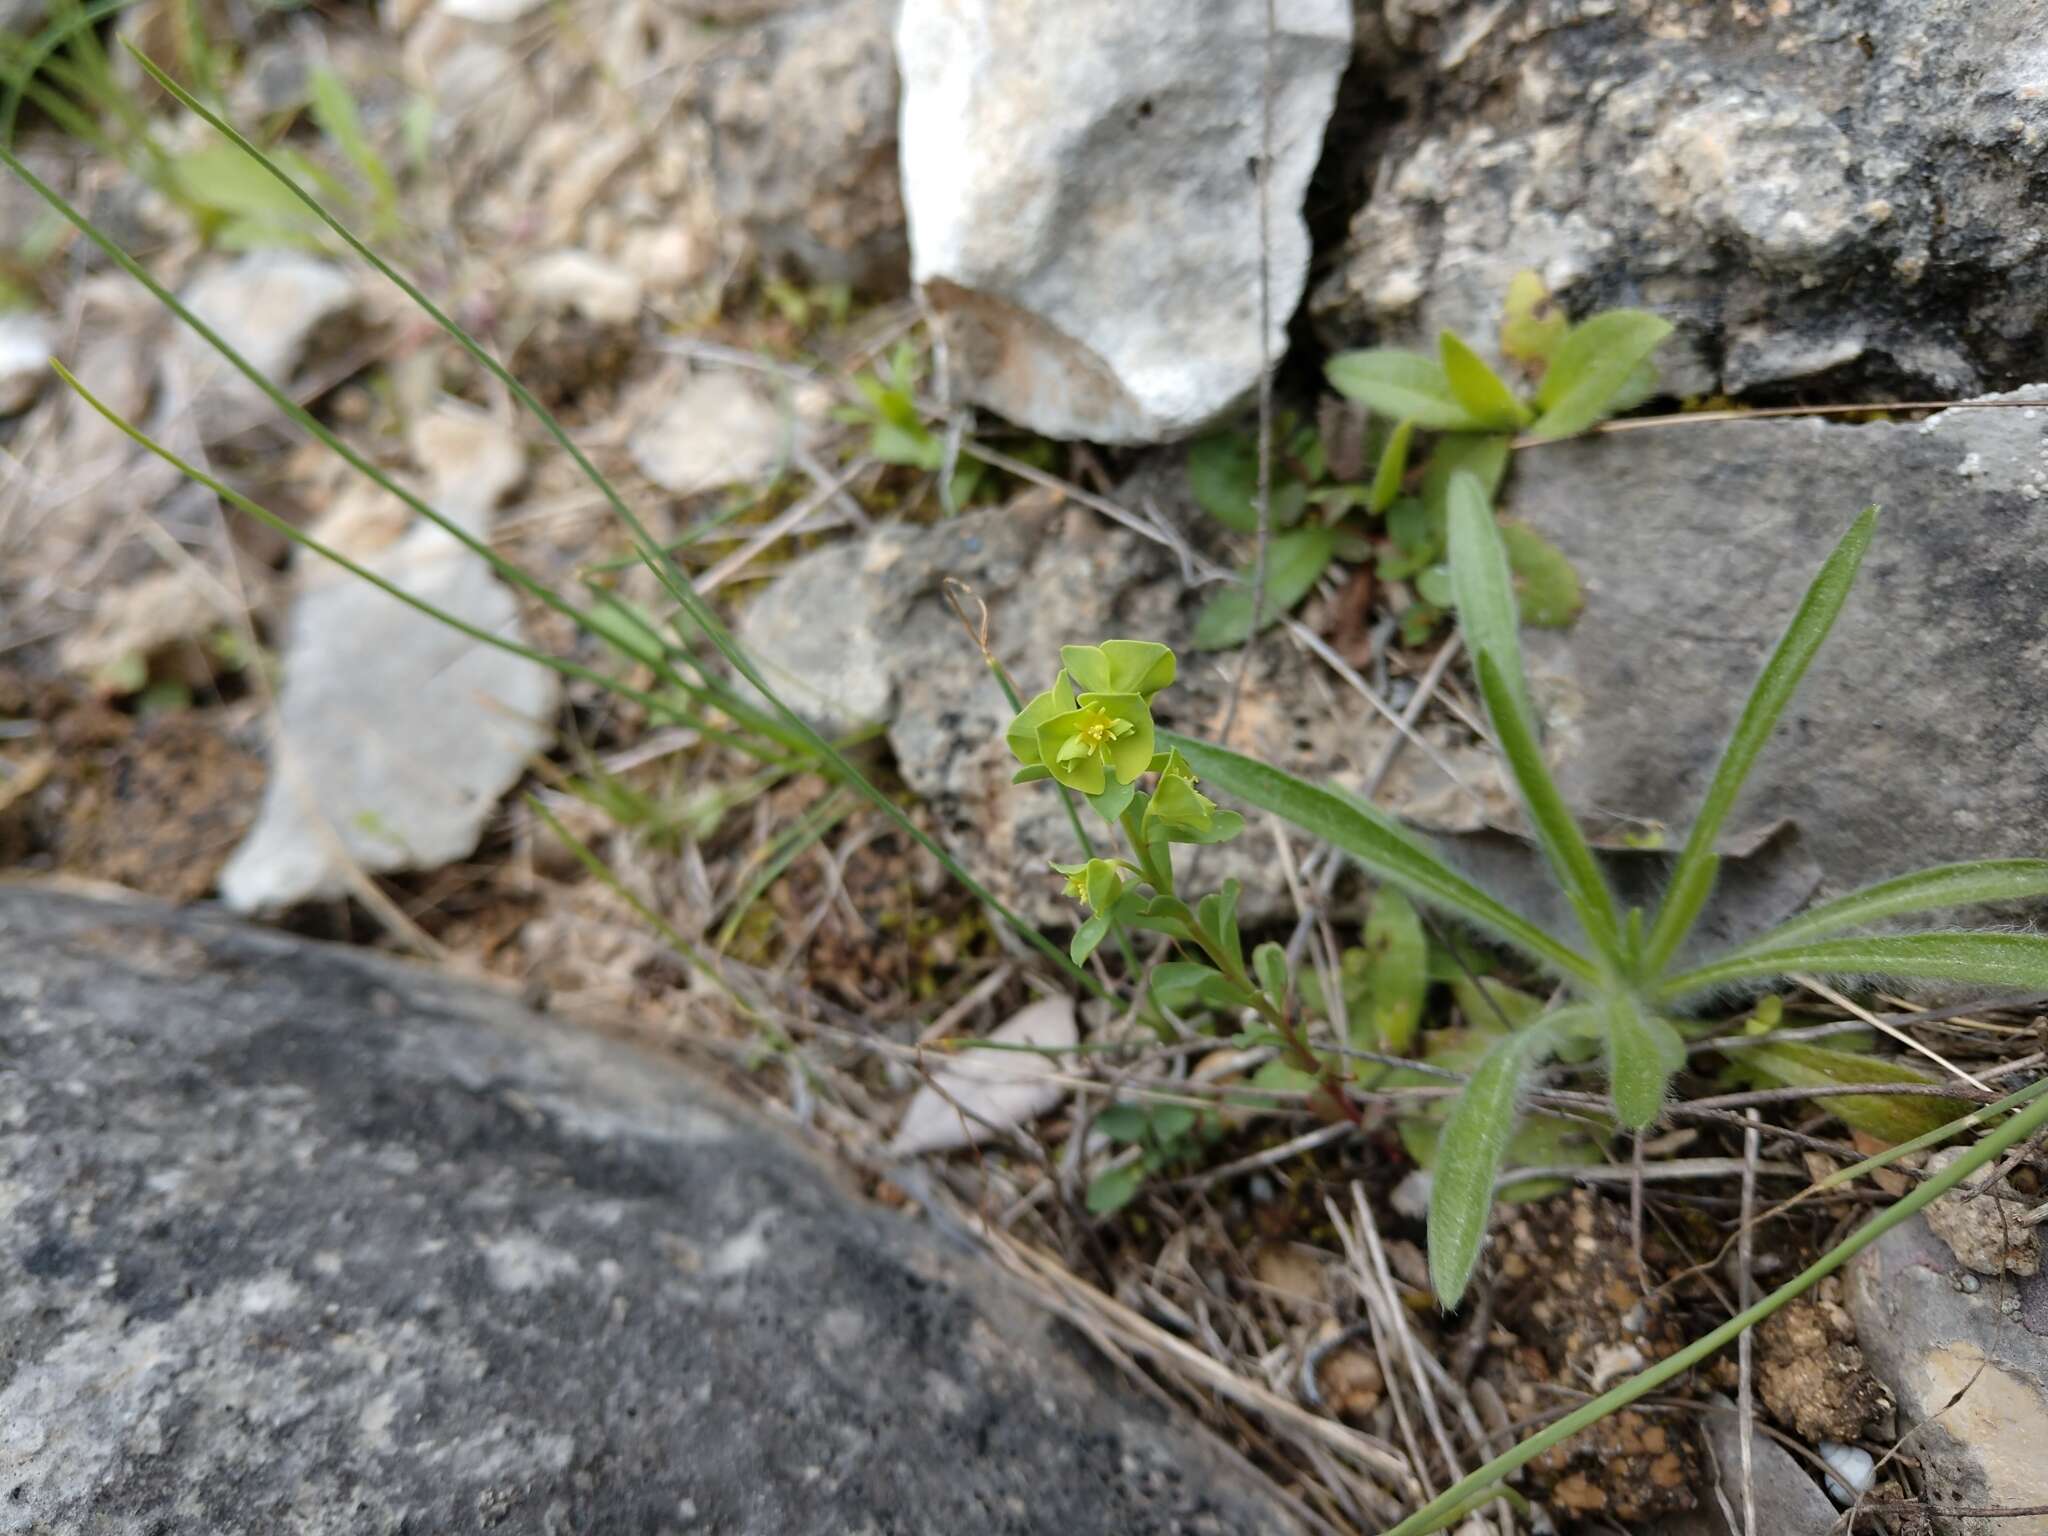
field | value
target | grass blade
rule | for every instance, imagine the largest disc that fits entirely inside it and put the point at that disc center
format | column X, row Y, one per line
column 672, row 578
column 1767, row 700
column 1379, row 844
column 2016, row 960
column 1470, row 1153
column 1928, row 890
column 1489, row 620
column 1432, row 1515
column 1643, row 1054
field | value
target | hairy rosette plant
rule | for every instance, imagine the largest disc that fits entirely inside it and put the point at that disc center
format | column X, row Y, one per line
column 1622, row 986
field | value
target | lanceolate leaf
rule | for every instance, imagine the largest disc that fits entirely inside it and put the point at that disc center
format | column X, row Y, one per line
column 1593, row 366
column 1403, row 386
column 1546, row 587
column 1889, row 1117
column 1930, row 890
column 1393, row 465
column 1223, row 474
column 1478, row 388
column 1563, row 844
column 2015, row 960
column 1469, row 1156
column 1484, row 585
column 1643, row 1053
column 1773, row 691
column 1382, row 846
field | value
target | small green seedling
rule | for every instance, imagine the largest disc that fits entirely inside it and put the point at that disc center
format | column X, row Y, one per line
column 1394, row 509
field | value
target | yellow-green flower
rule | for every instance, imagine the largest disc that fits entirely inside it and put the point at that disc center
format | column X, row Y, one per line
column 1142, row 667
column 1096, row 884
column 1103, row 734
column 1176, row 805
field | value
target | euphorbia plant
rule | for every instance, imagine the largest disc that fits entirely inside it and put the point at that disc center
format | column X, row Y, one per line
column 1621, row 983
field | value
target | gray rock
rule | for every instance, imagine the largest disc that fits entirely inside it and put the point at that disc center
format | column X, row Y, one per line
column 1788, row 1501
column 24, row 359
column 865, row 623
column 1983, row 1224
column 1968, row 1362
column 299, row 1239
column 280, row 310
column 1847, row 189
column 1919, row 736
column 1082, row 202
column 718, row 429
column 801, row 109
column 396, row 734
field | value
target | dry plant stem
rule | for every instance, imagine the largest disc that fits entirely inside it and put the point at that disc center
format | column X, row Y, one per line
column 1745, row 1406
column 1265, row 486
column 1707, row 418
column 2018, row 1128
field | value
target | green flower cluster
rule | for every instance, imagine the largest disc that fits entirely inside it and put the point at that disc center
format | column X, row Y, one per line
column 1094, row 723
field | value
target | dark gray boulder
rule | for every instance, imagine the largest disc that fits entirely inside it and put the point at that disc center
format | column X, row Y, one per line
column 295, row 1239
column 1918, row 738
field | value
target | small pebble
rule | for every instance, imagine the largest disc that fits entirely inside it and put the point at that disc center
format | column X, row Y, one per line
column 1852, row 1466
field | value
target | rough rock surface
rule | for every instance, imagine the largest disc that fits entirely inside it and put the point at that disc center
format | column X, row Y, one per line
column 279, row 309
column 296, row 1239
column 1929, row 1330
column 861, row 629
column 1918, row 737
column 1080, row 187
column 396, row 734
column 1837, row 189
column 719, row 429
column 801, row 109
column 1788, row 1501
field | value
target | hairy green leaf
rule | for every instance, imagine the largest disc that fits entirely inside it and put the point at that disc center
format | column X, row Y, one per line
column 1928, row 890
column 1402, row 386
column 1381, row 846
column 1767, row 700
column 1593, row 366
column 1469, row 1156
column 2015, row 960
column 1478, row 388
column 1643, row 1054
column 1293, row 562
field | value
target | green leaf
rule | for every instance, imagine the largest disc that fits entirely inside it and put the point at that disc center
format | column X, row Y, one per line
column 1402, row 386
column 1380, row 845
column 221, row 178
column 2014, row 961
column 1090, row 935
column 1293, row 562
column 1469, row 1156
column 1767, row 700
column 1478, row 388
column 1557, row 833
column 1223, row 475
column 1929, row 890
column 1490, row 1003
column 1123, row 1122
column 334, row 110
column 1269, row 964
column 1592, row 367
column 1546, row 586
column 1482, row 455
column 1891, row 1118
column 1486, row 615
column 1393, row 468
column 1170, row 1122
column 1435, row 587
column 1643, row 1054
column 1216, row 916
column 1397, row 971
column 1114, row 1188
column 1530, row 325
